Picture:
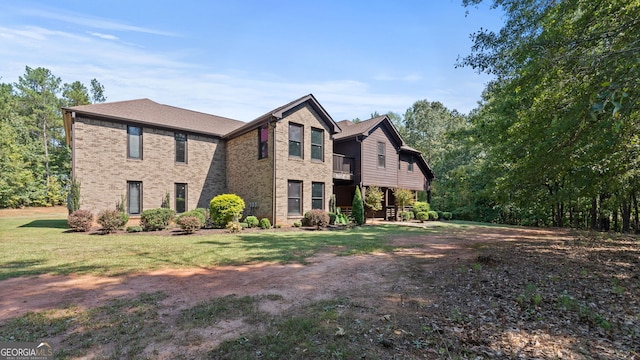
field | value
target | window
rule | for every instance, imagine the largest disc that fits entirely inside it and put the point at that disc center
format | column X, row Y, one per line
column 181, row 147
column 181, row 198
column 263, row 142
column 317, row 196
column 294, row 206
column 295, row 140
column 317, row 142
column 410, row 165
column 381, row 155
column 134, row 142
column 134, row 197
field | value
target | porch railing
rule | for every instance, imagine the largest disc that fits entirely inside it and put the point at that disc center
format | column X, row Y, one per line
column 343, row 167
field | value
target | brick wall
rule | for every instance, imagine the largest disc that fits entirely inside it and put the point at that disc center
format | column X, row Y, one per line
column 101, row 165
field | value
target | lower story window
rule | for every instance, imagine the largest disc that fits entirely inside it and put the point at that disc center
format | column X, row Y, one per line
column 181, row 198
column 134, row 197
column 317, row 196
column 294, row 204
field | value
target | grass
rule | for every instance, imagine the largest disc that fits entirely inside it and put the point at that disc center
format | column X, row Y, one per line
column 41, row 244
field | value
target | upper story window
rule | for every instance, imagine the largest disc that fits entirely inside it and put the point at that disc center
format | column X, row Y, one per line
column 317, row 144
column 134, row 142
column 295, row 140
column 381, row 155
column 263, row 142
column 410, row 165
column 181, row 147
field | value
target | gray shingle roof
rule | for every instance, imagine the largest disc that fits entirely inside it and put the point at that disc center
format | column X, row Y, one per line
column 149, row 112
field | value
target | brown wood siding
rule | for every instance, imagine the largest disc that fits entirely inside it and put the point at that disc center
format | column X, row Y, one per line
column 350, row 149
column 410, row 180
column 371, row 173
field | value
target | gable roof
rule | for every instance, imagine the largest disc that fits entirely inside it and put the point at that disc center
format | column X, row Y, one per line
column 148, row 112
column 280, row 112
column 366, row 127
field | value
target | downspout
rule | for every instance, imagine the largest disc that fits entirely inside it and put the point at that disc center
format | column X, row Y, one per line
column 273, row 193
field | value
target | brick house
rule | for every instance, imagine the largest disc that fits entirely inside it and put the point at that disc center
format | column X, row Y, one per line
column 281, row 164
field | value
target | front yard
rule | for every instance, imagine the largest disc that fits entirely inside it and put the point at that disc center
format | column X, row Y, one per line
column 456, row 291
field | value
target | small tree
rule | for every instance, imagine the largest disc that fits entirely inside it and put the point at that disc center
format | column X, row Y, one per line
column 225, row 208
column 403, row 197
column 73, row 199
column 166, row 202
column 357, row 207
column 373, row 199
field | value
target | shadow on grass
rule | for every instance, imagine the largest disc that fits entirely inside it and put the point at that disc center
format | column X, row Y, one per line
column 51, row 223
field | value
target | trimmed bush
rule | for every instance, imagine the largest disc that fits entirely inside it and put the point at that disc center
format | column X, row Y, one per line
column 73, row 199
column 199, row 213
column 406, row 215
column 317, row 218
column 423, row 216
column 433, row 215
column 357, row 207
column 156, row 219
column 297, row 224
column 447, row 215
column 265, row 223
column 134, row 229
column 234, row 227
column 80, row 220
column 252, row 221
column 112, row 220
column 225, row 208
column 332, row 218
column 189, row 224
column 420, row 206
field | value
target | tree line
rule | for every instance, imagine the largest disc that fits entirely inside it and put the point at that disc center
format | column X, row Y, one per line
column 35, row 162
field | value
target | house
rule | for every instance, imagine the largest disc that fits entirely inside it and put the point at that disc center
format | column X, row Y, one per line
column 282, row 163
column 376, row 155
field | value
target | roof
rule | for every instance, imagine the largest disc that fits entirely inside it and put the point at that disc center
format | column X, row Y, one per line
column 148, row 112
column 279, row 113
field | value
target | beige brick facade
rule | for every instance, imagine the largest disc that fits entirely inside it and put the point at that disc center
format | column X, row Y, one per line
column 101, row 165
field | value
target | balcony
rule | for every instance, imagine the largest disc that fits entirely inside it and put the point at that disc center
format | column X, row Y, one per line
column 343, row 167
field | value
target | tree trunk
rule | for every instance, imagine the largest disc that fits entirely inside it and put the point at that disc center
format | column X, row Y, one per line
column 594, row 214
column 635, row 205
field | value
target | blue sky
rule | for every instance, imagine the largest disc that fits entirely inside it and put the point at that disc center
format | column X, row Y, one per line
column 240, row 59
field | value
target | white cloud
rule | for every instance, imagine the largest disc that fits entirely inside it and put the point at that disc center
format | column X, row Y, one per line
column 103, row 36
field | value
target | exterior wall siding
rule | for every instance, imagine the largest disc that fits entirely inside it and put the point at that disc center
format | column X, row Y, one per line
column 414, row 180
column 101, row 165
column 371, row 173
column 249, row 177
column 305, row 169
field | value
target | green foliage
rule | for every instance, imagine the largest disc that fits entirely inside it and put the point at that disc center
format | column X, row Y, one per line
column 134, row 228
column 420, row 206
column 156, row 219
column 252, row 221
column 341, row 219
column 446, row 215
column 225, row 208
column 332, row 203
column 80, row 220
column 317, row 218
column 406, row 215
column 373, row 199
column 200, row 213
column 166, row 201
column 422, row 216
column 189, row 224
column 111, row 220
column 265, row 223
column 297, row 224
column 234, row 227
column 403, row 197
column 433, row 215
column 73, row 199
column 332, row 218
column 357, row 207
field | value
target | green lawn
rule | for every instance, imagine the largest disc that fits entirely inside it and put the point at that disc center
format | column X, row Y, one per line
column 39, row 244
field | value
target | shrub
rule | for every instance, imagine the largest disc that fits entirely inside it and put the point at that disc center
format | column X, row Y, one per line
column 423, row 216
column 234, row 227
column 447, row 215
column 357, row 207
column 189, row 224
column 134, row 229
column 341, row 219
column 297, row 224
column 433, row 215
column 252, row 221
column 420, row 206
column 112, row 220
column 244, row 225
column 406, row 215
column 265, row 223
column 440, row 214
column 166, row 201
column 317, row 218
column 199, row 213
column 156, row 219
column 373, row 199
column 80, row 220
column 332, row 218
column 73, row 199
column 403, row 197
column 225, row 208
